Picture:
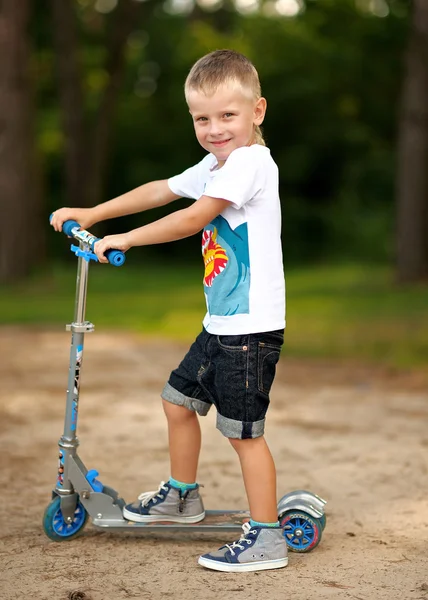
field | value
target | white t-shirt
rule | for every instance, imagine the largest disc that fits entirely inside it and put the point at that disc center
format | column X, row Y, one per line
column 244, row 277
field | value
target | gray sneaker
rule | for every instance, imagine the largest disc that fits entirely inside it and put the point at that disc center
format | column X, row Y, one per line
column 166, row 504
column 257, row 549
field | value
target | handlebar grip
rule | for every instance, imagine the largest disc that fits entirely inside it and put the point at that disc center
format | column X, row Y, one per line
column 115, row 257
column 72, row 229
column 67, row 226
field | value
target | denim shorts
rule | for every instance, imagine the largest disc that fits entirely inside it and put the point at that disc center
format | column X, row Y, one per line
column 232, row 372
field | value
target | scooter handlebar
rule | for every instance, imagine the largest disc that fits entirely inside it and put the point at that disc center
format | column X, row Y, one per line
column 72, row 229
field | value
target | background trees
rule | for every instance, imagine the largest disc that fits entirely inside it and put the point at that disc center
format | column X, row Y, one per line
column 110, row 114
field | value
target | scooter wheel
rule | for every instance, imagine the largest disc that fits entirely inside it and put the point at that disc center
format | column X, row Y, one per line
column 302, row 532
column 323, row 521
column 55, row 526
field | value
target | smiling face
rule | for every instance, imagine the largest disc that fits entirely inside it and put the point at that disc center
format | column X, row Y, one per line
column 226, row 119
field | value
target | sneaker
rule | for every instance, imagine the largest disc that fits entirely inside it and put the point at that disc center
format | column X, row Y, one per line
column 166, row 504
column 257, row 549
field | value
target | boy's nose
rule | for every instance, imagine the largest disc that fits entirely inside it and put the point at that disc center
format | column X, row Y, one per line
column 215, row 128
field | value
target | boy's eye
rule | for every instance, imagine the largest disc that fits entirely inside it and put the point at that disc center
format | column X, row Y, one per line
column 201, row 119
column 227, row 115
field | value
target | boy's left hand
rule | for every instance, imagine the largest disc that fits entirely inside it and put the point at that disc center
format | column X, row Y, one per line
column 115, row 242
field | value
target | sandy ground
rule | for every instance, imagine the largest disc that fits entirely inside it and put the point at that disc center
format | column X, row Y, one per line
column 356, row 436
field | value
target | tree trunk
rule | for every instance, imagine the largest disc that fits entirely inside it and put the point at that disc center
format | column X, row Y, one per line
column 71, row 100
column 412, row 176
column 125, row 20
column 20, row 231
column 87, row 149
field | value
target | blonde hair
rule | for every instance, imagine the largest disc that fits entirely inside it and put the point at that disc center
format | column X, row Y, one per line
column 224, row 67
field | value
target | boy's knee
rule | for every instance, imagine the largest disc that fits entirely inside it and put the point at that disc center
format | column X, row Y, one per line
column 242, row 445
column 234, row 443
column 176, row 413
column 238, row 444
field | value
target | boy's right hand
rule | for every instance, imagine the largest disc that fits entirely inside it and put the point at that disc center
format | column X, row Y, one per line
column 83, row 216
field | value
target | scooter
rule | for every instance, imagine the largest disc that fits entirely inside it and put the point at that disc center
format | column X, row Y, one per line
column 79, row 494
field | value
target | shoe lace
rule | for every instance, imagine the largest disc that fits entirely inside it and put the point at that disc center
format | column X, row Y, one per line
column 239, row 543
column 146, row 497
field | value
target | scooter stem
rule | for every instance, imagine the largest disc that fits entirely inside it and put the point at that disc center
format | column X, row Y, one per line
column 69, row 442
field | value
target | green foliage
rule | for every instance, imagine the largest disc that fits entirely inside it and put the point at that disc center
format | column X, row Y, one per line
column 332, row 79
column 350, row 311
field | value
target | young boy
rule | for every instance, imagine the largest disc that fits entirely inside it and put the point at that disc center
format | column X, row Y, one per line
column 231, row 364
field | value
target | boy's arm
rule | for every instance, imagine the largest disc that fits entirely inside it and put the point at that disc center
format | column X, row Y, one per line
column 144, row 197
column 176, row 226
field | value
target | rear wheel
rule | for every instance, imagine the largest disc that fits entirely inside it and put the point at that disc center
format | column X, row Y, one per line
column 302, row 532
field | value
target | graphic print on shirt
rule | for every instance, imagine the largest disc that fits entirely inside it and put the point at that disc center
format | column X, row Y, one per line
column 227, row 268
column 215, row 257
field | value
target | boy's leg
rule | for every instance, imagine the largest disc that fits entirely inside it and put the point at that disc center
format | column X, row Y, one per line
column 244, row 371
column 184, row 434
column 262, row 544
column 259, row 474
column 179, row 500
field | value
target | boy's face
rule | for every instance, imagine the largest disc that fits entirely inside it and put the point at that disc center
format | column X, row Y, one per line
column 225, row 120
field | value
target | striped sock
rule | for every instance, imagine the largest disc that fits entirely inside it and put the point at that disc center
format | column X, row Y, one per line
column 258, row 524
column 179, row 485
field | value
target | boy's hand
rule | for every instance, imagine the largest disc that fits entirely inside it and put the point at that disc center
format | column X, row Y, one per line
column 83, row 216
column 115, row 242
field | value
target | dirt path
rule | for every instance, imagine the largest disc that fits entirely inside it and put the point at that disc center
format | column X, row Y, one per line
column 355, row 438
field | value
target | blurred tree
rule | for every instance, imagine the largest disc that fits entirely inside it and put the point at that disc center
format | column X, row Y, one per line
column 87, row 148
column 21, row 236
column 412, row 178
column 71, row 98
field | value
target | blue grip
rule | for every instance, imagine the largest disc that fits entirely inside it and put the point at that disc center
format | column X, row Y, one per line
column 115, row 257
column 67, row 226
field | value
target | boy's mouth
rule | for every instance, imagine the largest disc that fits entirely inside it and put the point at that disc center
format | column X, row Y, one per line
column 220, row 143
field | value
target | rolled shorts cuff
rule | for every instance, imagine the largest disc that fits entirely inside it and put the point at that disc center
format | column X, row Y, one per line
column 240, row 430
column 172, row 395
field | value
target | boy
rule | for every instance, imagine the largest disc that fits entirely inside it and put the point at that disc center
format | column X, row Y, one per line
column 232, row 362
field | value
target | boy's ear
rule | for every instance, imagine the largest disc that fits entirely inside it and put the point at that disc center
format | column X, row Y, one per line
column 260, row 111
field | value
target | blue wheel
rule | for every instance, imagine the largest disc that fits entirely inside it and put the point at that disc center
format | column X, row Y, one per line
column 55, row 526
column 302, row 532
column 323, row 521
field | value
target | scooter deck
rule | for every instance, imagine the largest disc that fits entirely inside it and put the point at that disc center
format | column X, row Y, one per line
column 230, row 520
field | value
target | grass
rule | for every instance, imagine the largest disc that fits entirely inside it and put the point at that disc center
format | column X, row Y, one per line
column 345, row 311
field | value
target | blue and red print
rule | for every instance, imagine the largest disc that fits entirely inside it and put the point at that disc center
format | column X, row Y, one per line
column 227, row 268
